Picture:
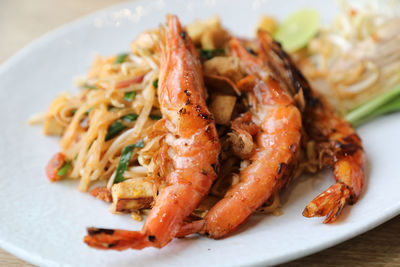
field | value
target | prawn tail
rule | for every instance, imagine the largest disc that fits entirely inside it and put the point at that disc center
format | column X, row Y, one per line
column 191, row 228
column 330, row 203
column 116, row 239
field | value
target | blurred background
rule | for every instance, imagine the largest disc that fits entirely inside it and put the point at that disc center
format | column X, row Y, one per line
column 22, row 21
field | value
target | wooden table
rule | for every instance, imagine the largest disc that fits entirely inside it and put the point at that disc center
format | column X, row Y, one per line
column 21, row 21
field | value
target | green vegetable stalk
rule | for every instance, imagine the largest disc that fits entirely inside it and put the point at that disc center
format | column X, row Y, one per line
column 129, row 96
column 120, row 58
column 64, row 169
column 123, row 163
column 385, row 103
column 115, row 129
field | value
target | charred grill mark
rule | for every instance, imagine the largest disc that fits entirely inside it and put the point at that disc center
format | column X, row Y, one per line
column 182, row 111
column 346, row 149
column 315, row 102
column 209, row 134
column 315, row 133
column 187, row 92
column 352, row 199
column 281, row 166
column 349, row 146
column 251, row 51
column 111, row 245
column 204, row 172
column 353, row 138
column 205, row 116
column 295, row 76
column 151, row 238
column 187, row 102
column 183, row 35
column 96, row 231
column 215, row 167
column 338, row 211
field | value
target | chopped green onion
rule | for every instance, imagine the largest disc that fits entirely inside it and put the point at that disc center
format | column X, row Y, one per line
column 114, row 129
column 139, row 144
column 88, row 111
column 64, row 169
column 89, row 86
column 385, row 103
column 123, row 163
column 129, row 96
column 120, row 58
column 112, row 108
column 130, row 117
column 91, row 143
column 207, row 54
column 155, row 117
column 73, row 111
column 155, row 83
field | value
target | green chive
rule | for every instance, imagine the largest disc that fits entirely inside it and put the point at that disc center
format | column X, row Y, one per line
column 366, row 111
column 88, row 111
column 91, row 143
column 155, row 117
column 392, row 106
column 206, row 54
column 112, row 108
column 114, row 129
column 139, row 144
column 155, row 83
column 90, row 86
column 64, row 169
column 120, row 58
column 73, row 111
column 129, row 96
column 130, row 117
column 123, row 163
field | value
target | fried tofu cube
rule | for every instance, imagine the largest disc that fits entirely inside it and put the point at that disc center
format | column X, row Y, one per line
column 222, row 107
column 132, row 195
column 228, row 67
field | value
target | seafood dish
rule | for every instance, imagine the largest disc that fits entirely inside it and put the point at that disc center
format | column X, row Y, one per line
column 197, row 129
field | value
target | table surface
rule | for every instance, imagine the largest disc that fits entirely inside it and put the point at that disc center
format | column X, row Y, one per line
column 21, row 21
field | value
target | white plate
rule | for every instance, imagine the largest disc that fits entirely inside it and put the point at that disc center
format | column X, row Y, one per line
column 44, row 223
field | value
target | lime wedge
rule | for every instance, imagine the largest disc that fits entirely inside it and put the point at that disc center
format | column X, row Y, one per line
column 298, row 29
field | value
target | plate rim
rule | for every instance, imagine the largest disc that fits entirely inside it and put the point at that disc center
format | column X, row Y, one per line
column 70, row 26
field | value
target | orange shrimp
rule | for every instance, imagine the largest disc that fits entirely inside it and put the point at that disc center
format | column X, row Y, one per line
column 274, row 160
column 337, row 142
column 193, row 142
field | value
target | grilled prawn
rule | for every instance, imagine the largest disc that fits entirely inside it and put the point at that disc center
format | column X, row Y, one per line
column 274, row 160
column 194, row 146
column 337, row 143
